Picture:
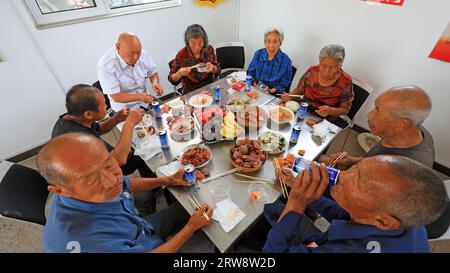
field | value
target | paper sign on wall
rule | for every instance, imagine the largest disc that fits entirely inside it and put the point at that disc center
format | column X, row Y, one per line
column 388, row 2
column 442, row 49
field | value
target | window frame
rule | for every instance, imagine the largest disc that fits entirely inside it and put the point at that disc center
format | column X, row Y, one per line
column 100, row 11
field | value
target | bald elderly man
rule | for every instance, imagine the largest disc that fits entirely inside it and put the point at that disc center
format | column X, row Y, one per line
column 123, row 71
column 382, row 204
column 397, row 117
column 93, row 211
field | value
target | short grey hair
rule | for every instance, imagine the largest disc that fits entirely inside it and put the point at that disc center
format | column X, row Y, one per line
column 276, row 30
column 333, row 51
column 414, row 104
column 196, row 31
column 423, row 198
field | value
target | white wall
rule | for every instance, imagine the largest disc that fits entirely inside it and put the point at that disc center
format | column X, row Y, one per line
column 30, row 96
column 73, row 50
column 386, row 46
column 33, row 86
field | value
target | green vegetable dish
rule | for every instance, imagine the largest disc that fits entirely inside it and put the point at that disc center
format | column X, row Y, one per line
column 272, row 143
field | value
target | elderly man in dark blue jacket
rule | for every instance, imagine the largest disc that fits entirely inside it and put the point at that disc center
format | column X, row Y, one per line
column 382, row 204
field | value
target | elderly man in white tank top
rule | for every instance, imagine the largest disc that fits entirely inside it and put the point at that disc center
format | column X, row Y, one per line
column 122, row 72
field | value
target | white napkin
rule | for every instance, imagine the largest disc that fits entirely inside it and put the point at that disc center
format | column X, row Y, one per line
column 239, row 75
column 227, row 214
column 169, row 169
column 148, row 147
column 321, row 129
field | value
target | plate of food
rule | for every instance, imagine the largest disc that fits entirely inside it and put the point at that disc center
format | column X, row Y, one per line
column 272, row 142
column 200, row 100
column 236, row 103
column 180, row 127
column 252, row 116
column 230, row 128
column 287, row 161
column 147, row 120
column 248, row 155
column 198, row 155
column 209, row 122
column 281, row 115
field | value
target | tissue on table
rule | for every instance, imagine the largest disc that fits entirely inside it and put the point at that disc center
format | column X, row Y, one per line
column 321, row 129
column 148, row 147
column 169, row 169
column 227, row 214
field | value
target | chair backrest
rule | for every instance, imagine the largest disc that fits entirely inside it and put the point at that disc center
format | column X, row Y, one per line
column 99, row 86
column 440, row 230
column 23, row 193
column 362, row 92
column 294, row 70
column 177, row 89
column 231, row 55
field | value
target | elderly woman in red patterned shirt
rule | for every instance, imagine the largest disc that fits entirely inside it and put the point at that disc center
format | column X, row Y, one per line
column 327, row 88
column 196, row 64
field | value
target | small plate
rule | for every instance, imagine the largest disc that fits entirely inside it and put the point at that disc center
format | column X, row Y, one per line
column 200, row 100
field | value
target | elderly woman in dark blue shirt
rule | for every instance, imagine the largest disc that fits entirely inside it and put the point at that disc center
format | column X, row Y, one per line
column 271, row 66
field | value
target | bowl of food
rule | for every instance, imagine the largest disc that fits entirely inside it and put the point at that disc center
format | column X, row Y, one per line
column 237, row 103
column 281, row 115
column 252, row 116
column 259, row 192
column 181, row 127
column 198, row 155
column 292, row 105
column 247, row 155
column 272, row 142
column 200, row 100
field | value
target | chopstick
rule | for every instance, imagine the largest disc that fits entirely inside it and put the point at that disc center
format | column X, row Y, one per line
column 341, row 156
column 294, row 96
column 283, row 186
column 218, row 176
column 254, row 178
column 143, row 128
column 253, row 182
column 196, row 205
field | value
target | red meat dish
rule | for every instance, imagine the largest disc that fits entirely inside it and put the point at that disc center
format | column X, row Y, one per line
column 195, row 156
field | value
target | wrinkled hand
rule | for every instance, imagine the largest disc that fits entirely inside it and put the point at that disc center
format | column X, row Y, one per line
column 146, row 98
column 135, row 116
column 284, row 174
column 285, row 97
column 184, row 71
column 177, row 179
column 324, row 110
column 307, row 189
column 121, row 115
column 198, row 220
column 209, row 67
column 158, row 89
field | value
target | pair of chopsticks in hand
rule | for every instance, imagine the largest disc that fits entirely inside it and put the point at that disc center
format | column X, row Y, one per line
column 257, row 180
column 284, row 190
column 196, row 205
column 341, row 156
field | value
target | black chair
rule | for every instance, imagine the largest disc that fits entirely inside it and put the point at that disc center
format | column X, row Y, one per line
column 294, row 70
column 362, row 92
column 98, row 85
column 231, row 57
column 23, row 193
column 439, row 229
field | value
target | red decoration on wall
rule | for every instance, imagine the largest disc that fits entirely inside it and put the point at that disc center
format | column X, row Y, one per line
column 442, row 49
column 388, row 2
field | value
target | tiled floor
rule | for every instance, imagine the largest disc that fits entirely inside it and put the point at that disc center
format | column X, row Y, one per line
column 22, row 237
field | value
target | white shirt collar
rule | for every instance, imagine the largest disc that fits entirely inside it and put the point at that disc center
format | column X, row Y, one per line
column 122, row 63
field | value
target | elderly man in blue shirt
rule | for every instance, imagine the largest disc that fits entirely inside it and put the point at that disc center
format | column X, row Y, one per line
column 93, row 211
column 270, row 66
column 381, row 206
